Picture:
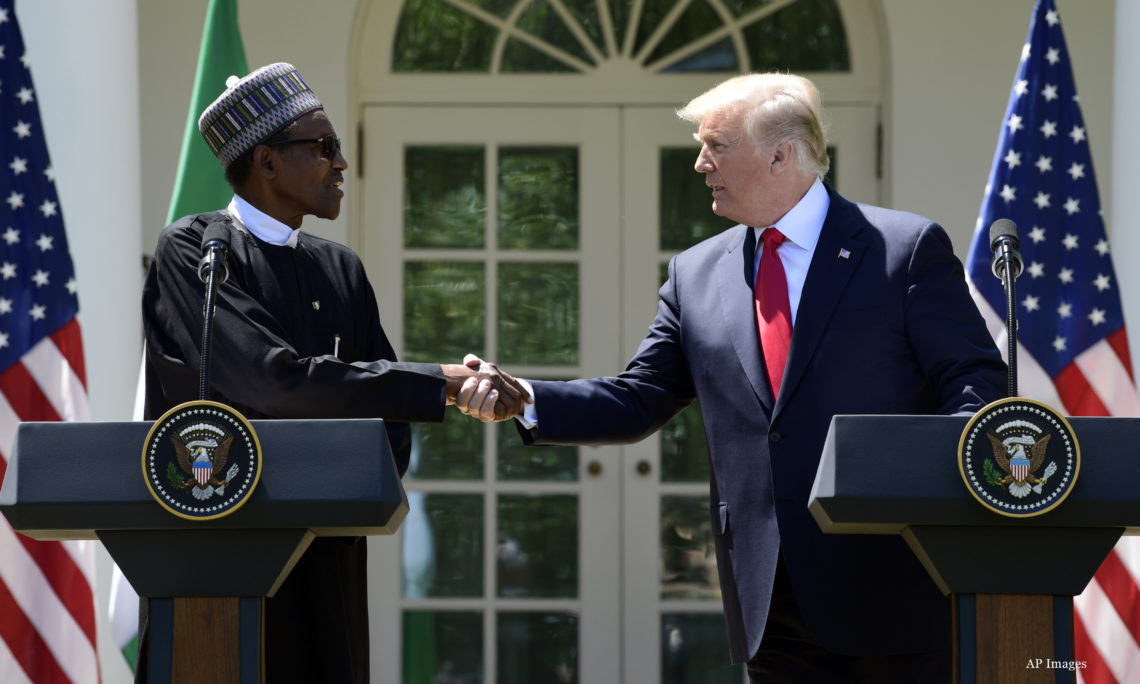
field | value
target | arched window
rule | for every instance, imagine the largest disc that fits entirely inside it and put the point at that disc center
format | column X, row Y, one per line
column 580, row 36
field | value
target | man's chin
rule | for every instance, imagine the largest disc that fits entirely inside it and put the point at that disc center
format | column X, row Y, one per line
column 330, row 212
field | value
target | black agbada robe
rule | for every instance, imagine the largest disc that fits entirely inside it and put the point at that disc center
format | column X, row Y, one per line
column 278, row 319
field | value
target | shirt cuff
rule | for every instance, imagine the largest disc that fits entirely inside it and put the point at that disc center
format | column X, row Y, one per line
column 529, row 418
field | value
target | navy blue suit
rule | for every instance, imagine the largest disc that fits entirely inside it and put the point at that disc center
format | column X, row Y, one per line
column 885, row 325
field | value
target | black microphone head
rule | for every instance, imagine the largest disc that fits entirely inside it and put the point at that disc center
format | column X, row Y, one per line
column 217, row 233
column 1003, row 228
column 215, row 247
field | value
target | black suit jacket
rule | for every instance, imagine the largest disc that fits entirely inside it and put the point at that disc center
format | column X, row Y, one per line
column 885, row 325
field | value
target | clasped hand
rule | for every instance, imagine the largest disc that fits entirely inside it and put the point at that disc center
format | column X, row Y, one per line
column 479, row 389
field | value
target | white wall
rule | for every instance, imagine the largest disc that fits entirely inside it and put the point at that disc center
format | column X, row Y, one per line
column 951, row 68
column 1125, row 172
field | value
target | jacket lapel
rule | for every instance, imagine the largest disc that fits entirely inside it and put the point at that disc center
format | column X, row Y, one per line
column 734, row 275
column 837, row 254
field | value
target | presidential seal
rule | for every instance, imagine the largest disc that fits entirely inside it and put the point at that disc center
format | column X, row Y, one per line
column 1019, row 457
column 201, row 460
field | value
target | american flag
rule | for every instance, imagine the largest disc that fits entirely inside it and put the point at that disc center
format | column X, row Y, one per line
column 47, row 608
column 1072, row 348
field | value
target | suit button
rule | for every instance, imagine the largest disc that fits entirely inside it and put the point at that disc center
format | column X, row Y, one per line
column 774, row 436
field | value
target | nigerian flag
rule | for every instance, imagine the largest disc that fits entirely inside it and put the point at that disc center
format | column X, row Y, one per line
column 200, row 185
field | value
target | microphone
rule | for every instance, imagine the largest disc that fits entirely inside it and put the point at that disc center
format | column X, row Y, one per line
column 212, row 271
column 1004, row 244
column 1007, row 266
column 215, row 248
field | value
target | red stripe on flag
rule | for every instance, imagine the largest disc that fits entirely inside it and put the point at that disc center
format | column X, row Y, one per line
column 1079, row 397
column 1096, row 669
column 69, row 341
column 1117, row 584
column 1119, row 343
column 24, row 394
column 66, row 580
column 25, row 643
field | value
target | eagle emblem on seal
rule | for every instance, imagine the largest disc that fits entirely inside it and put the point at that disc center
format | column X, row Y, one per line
column 202, row 450
column 1020, row 455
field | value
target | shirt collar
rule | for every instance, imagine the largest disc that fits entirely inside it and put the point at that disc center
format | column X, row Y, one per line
column 804, row 222
column 262, row 225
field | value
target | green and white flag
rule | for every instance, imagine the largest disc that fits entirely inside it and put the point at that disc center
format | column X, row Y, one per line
column 200, row 185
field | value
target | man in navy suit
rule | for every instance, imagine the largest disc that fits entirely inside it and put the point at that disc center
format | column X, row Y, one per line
column 880, row 322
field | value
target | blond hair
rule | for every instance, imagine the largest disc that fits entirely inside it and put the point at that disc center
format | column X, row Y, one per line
column 776, row 108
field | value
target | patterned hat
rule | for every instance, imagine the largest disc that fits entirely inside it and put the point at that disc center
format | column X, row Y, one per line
column 254, row 108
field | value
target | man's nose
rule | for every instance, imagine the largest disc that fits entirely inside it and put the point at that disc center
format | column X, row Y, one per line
column 703, row 165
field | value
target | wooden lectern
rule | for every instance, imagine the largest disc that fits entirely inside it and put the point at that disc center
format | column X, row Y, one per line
column 1012, row 579
column 205, row 581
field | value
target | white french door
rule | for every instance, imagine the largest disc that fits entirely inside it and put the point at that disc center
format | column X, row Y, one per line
column 537, row 237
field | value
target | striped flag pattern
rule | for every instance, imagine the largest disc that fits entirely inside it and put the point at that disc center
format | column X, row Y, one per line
column 1072, row 348
column 47, row 607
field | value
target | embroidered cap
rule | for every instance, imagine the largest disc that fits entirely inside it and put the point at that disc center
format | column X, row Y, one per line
column 254, row 108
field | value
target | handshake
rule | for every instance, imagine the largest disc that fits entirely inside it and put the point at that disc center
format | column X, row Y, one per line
column 479, row 389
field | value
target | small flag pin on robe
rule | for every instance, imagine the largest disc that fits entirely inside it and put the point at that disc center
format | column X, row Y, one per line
column 317, row 304
column 844, row 254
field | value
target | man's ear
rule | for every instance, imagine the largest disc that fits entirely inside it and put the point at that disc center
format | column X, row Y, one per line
column 263, row 161
column 783, row 156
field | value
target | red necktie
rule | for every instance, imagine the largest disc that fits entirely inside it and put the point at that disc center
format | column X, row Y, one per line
column 773, row 312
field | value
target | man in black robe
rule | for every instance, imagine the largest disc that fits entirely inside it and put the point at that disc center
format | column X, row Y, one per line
column 296, row 334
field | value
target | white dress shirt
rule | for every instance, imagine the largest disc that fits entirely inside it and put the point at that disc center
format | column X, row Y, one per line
column 801, row 227
column 264, row 226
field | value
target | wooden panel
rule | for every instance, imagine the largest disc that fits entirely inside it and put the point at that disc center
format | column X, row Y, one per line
column 206, row 639
column 1014, row 631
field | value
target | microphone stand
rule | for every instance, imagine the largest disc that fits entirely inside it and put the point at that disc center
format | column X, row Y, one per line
column 211, row 276
column 1007, row 281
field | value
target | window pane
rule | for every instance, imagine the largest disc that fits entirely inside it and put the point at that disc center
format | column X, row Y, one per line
column 521, row 57
column 698, row 19
column 538, row 198
column 688, row 557
column 451, row 450
column 807, row 35
column 585, row 12
column 685, row 202
column 540, row 20
column 720, row 56
column 694, row 650
column 443, row 545
column 444, row 197
column 499, row 8
column 538, row 647
column 538, row 546
column 443, row 647
column 520, row 462
column 434, row 36
column 443, row 310
column 538, row 314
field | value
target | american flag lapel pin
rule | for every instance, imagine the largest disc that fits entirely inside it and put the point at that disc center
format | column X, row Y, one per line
column 844, row 253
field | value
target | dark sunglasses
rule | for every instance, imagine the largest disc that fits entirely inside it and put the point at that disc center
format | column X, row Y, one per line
column 330, row 144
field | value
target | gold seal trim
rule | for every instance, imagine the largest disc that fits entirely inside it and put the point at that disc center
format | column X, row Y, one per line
column 158, row 427
column 988, row 413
